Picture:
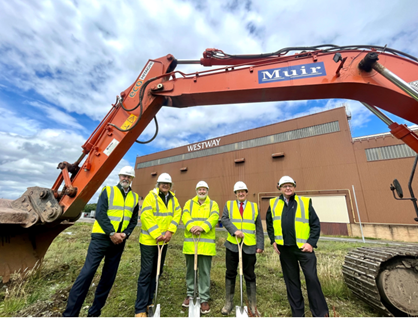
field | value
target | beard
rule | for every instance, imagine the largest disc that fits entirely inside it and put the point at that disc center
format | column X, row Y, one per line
column 202, row 197
column 125, row 183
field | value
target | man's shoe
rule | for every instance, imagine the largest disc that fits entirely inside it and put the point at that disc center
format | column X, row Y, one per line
column 141, row 314
column 186, row 302
column 149, row 306
column 204, row 308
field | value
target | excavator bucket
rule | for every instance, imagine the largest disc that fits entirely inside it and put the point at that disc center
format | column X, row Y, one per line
column 22, row 248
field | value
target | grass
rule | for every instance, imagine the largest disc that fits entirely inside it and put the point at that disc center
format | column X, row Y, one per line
column 45, row 290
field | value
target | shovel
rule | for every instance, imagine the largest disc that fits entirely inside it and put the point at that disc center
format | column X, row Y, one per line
column 194, row 307
column 241, row 311
column 156, row 312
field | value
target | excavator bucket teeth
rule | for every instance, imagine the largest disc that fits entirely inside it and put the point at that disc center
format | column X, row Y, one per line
column 23, row 248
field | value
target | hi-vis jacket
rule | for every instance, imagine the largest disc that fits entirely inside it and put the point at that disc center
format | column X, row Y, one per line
column 246, row 224
column 119, row 209
column 205, row 216
column 302, row 228
column 157, row 218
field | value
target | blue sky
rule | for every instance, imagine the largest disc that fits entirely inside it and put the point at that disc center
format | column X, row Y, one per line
column 62, row 63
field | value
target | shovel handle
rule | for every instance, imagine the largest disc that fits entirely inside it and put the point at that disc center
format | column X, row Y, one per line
column 160, row 252
column 240, row 244
column 196, row 243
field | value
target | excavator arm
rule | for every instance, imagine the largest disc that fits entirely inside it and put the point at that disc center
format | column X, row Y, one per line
column 29, row 224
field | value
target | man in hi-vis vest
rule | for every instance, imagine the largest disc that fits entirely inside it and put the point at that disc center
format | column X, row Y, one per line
column 293, row 228
column 160, row 216
column 200, row 216
column 242, row 220
column 116, row 218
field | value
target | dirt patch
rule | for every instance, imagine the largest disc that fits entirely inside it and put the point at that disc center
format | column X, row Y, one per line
column 48, row 308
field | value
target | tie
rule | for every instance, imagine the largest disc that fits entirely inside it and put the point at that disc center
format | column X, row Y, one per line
column 241, row 209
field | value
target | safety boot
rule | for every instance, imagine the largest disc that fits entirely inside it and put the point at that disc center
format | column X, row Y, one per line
column 229, row 297
column 252, row 299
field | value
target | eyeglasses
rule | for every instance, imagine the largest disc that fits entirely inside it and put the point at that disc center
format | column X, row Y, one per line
column 287, row 186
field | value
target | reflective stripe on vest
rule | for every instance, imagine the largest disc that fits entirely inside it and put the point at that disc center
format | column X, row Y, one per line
column 120, row 209
column 302, row 228
column 162, row 216
column 246, row 223
column 201, row 215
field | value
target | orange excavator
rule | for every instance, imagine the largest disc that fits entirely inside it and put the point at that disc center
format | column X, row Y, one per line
column 373, row 75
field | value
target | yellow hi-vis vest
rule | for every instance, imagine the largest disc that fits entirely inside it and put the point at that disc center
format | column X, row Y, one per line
column 246, row 224
column 156, row 218
column 119, row 209
column 205, row 216
column 302, row 228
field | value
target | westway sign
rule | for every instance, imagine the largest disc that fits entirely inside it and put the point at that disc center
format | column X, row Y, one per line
column 203, row 145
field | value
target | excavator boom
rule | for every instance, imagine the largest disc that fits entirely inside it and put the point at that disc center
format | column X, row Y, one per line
column 29, row 224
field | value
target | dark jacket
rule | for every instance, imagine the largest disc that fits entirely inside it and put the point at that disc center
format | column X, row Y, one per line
column 288, row 223
column 104, row 221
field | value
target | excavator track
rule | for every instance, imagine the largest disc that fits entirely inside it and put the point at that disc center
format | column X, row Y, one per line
column 385, row 278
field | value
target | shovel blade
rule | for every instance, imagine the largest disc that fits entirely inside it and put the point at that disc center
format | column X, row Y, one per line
column 241, row 312
column 194, row 308
column 154, row 311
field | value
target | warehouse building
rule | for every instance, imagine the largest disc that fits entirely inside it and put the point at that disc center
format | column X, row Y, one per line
column 347, row 178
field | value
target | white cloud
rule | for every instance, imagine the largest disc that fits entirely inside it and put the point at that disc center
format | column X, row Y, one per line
column 76, row 56
column 32, row 160
column 56, row 115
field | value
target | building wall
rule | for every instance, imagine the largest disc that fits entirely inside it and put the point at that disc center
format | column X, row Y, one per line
column 322, row 165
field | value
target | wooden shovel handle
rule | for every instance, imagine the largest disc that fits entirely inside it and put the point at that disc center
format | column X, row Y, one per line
column 240, row 254
column 160, row 252
column 196, row 243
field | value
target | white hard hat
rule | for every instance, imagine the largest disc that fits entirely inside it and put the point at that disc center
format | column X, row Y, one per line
column 127, row 170
column 286, row 180
column 202, row 184
column 240, row 186
column 164, row 178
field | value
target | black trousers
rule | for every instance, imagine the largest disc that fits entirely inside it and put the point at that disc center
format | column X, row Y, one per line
column 147, row 276
column 248, row 265
column 98, row 249
column 290, row 258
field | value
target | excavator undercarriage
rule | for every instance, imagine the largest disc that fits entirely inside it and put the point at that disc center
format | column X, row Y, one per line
column 385, row 278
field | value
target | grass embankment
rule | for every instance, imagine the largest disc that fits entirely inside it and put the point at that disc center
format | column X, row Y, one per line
column 44, row 292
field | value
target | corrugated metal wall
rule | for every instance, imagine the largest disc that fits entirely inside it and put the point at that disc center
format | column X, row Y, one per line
column 319, row 154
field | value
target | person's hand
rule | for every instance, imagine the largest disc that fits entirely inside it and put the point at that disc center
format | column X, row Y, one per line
column 239, row 234
column 167, row 236
column 259, row 251
column 275, row 248
column 118, row 238
column 307, row 248
column 196, row 230
column 159, row 238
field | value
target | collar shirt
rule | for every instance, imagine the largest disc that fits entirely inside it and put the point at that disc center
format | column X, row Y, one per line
column 244, row 203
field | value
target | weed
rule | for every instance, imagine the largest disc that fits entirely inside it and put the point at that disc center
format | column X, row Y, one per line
column 44, row 291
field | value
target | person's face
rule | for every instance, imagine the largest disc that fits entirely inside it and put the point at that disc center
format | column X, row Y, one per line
column 287, row 189
column 241, row 195
column 202, row 192
column 125, row 180
column 164, row 187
